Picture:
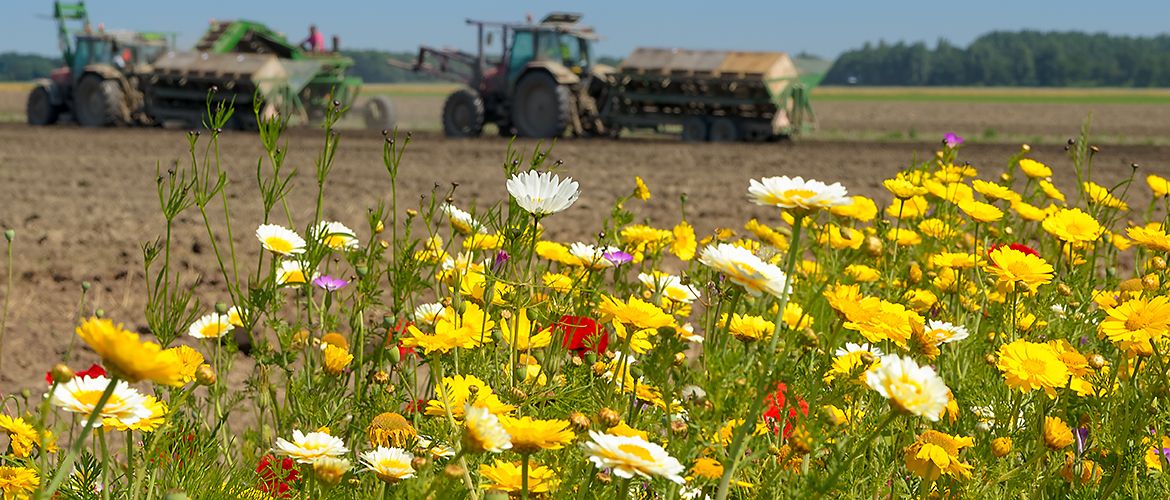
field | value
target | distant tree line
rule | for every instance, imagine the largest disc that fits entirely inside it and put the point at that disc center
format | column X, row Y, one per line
column 24, row 67
column 1025, row 59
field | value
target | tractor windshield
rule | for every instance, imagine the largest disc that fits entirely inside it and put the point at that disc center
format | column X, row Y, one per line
column 574, row 52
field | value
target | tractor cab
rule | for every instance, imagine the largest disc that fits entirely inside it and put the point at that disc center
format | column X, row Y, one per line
column 123, row 50
column 556, row 40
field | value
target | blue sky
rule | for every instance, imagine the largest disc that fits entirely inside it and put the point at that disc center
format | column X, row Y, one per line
column 823, row 27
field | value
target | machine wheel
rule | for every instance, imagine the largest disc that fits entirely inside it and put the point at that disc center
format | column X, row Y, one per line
column 379, row 114
column 694, row 129
column 724, row 130
column 98, row 102
column 542, row 108
column 40, row 109
column 463, row 114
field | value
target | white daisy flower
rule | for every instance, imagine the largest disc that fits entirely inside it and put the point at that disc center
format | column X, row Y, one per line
column 483, row 430
column 336, row 235
column 542, row 193
column 290, row 272
column 851, row 348
column 234, row 317
column 307, row 448
column 944, row 332
column 631, row 455
column 280, row 240
column 389, row 464
column 917, row 390
column 211, row 326
column 592, row 257
column 461, row 220
column 743, row 268
column 671, row 286
column 81, row 394
column 428, row 313
column 797, row 193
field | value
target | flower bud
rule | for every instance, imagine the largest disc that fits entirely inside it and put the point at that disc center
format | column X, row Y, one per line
column 873, row 245
column 330, row 470
column 579, row 421
column 418, row 462
column 1064, row 290
column 518, row 393
column 100, row 313
column 221, row 308
column 599, row 368
column 1151, row 282
column 379, row 227
column 608, row 417
column 1097, row 361
column 990, row 359
column 453, row 470
column 205, row 375
column 381, row 377
column 678, row 427
column 9, row 234
column 61, row 373
column 1001, row 446
column 85, row 286
column 395, row 355
column 1158, row 263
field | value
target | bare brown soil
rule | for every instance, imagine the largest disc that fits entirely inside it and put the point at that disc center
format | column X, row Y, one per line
column 83, row 201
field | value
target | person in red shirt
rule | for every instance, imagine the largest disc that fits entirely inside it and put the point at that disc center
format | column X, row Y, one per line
column 315, row 42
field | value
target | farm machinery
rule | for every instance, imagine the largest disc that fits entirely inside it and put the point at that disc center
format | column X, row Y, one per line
column 544, row 83
column 131, row 78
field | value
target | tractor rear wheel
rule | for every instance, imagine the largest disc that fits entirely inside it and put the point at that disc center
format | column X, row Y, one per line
column 379, row 114
column 98, row 102
column 724, row 130
column 40, row 109
column 694, row 129
column 463, row 114
column 543, row 107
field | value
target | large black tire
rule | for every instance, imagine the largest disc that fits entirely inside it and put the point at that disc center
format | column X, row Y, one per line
column 40, row 109
column 694, row 129
column 463, row 114
column 723, row 130
column 379, row 114
column 543, row 107
column 98, row 102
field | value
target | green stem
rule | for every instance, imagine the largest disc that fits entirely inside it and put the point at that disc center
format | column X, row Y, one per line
column 7, row 300
column 67, row 464
column 740, row 440
column 438, row 375
column 524, row 476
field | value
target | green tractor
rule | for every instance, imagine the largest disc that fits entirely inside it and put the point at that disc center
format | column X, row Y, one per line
column 133, row 78
column 100, row 82
column 541, row 83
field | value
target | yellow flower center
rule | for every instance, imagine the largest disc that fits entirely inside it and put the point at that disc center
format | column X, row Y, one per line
column 210, row 330
column 1034, row 366
column 90, row 398
column 278, row 244
column 799, row 194
column 637, row 451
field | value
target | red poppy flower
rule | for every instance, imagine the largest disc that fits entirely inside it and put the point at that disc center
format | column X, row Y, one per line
column 95, row 370
column 416, row 406
column 776, row 404
column 582, row 334
column 397, row 331
column 276, row 474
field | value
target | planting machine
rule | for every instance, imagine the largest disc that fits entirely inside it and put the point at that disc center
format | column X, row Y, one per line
column 543, row 83
column 130, row 78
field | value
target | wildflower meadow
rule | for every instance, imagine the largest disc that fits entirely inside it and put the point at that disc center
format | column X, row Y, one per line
column 985, row 335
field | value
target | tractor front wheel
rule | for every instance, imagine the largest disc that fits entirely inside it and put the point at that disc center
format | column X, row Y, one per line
column 98, row 102
column 543, row 107
column 40, row 109
column 463, row 114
